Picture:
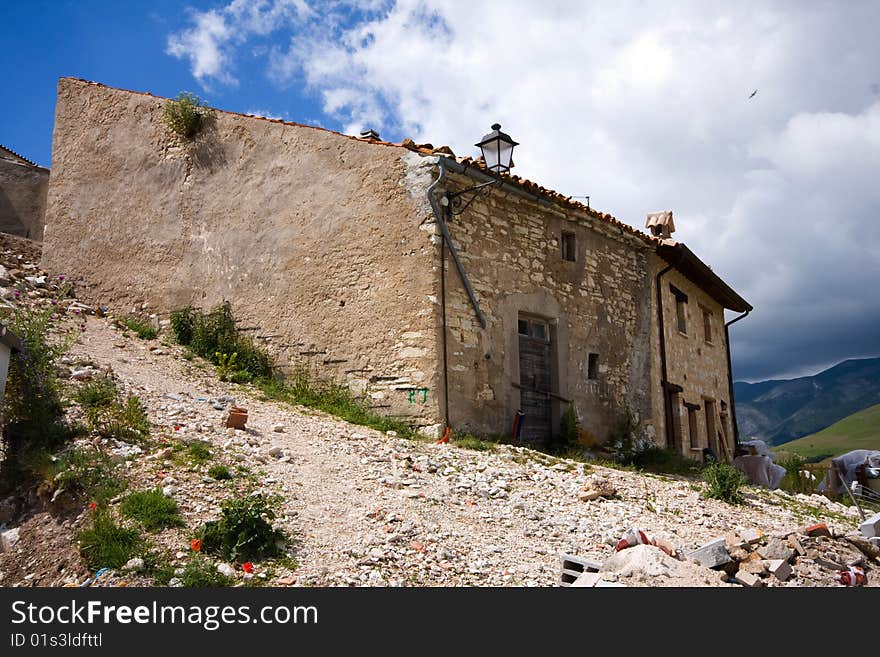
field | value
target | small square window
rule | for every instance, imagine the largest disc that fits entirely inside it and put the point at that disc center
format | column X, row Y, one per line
column 569, row 246
column 523, row 327
column 593, row 366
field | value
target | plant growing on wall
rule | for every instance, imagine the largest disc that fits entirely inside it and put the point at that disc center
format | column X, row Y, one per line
column 186, row 115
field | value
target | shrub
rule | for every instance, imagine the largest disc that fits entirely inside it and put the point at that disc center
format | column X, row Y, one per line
column 244, row 531
column 122, row 419
column 791, row 482
column 105, row 544
column 186, row 115
column 152, row 509
column 225, row 365
column 219, row 472
column 182, row 323
column 567, row 439
column 213, row 336
column 143, row 331
column 724, row 482
column 96, row 395
column 32, row 406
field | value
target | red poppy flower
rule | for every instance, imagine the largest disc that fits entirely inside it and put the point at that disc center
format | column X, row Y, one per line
column 92, row 506
column 196, row 544
column 248, row 567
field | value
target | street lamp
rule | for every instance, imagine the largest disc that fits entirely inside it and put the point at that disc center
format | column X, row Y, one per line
column 497, row 148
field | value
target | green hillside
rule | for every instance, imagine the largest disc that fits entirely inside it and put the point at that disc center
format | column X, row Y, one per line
column 858, row 431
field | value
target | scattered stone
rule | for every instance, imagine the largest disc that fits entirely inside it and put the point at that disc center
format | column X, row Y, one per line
column 81, row 375
column 169, row 491
column 750, row 536
column 776, row 548
column 596, row 487
column 711, row 555
column 871, row 526
column 9, row 539
column 748, row 579
column 134, row 565
column 275, row 451
column 226, row 569
column 278, row 428
column 780, row 569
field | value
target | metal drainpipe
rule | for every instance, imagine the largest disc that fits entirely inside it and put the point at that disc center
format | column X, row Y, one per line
column 730, row 376
column 439, row 217
column 667, row 409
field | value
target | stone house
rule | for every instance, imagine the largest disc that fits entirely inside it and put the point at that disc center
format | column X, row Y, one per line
column 331, row 250
column 23, row 187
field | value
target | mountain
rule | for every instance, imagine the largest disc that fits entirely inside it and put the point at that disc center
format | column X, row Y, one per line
column 858, row 431
column 779, row 411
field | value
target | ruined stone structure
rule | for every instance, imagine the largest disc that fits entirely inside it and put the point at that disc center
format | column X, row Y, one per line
column 331, row 252
column 23, row 187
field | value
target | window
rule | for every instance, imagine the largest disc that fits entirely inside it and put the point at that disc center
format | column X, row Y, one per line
column 681, row 300
column 534, row 328
column 707, row 325
column 593, row 366
column 569, row 246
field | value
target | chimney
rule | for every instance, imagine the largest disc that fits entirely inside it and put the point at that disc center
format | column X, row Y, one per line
column 370, row 134
column 660, row 224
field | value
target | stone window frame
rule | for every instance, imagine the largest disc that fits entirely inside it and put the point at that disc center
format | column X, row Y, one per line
column 681, row 300
column 568, row 246
column 708, row 324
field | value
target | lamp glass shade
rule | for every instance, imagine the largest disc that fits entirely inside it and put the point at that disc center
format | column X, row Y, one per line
column 497, row 148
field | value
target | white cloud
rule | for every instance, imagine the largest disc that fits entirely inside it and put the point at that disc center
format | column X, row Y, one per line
column 643, row 106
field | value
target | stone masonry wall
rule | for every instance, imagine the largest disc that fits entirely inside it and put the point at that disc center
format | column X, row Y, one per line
column 510, row 247
column 697, row 365
column 312, row 236
column 23, row 190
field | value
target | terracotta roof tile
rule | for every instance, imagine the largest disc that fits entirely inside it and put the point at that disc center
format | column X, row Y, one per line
column 20, row 156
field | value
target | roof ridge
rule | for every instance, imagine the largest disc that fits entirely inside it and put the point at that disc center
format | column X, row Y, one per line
column 378, row 142
column 20, row 156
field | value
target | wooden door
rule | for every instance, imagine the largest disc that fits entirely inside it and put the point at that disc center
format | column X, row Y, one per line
column 535, row 380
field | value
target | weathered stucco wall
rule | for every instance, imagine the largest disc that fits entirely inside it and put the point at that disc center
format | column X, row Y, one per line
column 23, row 190
column 698, row 365
column 312, row 236
column 599, row 303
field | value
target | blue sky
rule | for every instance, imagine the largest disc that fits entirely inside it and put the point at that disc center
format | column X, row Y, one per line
column 641, row 106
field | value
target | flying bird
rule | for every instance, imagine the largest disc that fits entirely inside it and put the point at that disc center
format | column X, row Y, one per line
column 753, row 94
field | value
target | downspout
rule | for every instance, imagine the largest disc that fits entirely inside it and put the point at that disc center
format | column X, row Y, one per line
column 667, row 407
column 438, row 215
column 730, row 375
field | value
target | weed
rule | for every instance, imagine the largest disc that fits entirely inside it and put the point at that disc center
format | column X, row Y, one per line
column 198, row 572
column 186, row 115
column 212, row 335
column 724, row 482
column 98, row 393
column 87, row 474
column 225, row 365
column 244, row 531
column 103, row 543
column 219, row 472
column 567, row 439
column 625, row 442
column 143, row 331
column 791, row 482
column 109, row 414
column 470, row 441
column 152, row 509
column 665, row 461
column 32, row 408
column 199, row 452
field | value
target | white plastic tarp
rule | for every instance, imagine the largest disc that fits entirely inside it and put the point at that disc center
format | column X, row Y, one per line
column 846, row 464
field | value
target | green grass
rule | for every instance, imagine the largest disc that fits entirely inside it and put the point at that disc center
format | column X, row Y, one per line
column 105, row 544
column 152, row 509
column 723, row 482
column 199, row 452
column 858, row 431
column 87, row 473
column 142, row 330
column 334, row 399
column 244, row 530
column 219, row 472
column 198, row 572
column 469, row 441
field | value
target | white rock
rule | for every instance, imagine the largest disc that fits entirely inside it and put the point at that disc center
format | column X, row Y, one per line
column 278, row 428
column 276, row 451
column 134, row 565
column 225, row 569
column 8, row 539
column 169, row 491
